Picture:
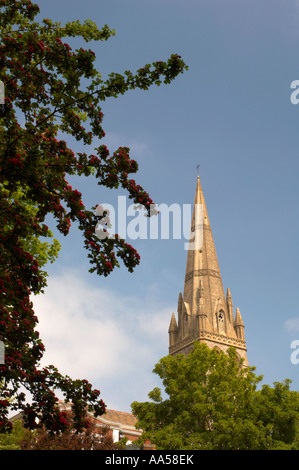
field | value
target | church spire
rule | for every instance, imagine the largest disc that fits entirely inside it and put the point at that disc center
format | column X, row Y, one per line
column 204, row 313
column 202, row 263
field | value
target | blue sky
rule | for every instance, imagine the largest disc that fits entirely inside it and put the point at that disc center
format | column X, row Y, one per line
column 230, row 113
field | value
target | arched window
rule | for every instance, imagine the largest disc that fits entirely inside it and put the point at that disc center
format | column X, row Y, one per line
column 221, row 321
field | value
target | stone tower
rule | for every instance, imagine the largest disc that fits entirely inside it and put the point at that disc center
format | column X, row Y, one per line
column 204, row 312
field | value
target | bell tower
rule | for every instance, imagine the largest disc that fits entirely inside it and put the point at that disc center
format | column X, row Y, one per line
column 204, row 312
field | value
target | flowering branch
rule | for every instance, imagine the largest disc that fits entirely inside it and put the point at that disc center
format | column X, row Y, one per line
column 42, row 78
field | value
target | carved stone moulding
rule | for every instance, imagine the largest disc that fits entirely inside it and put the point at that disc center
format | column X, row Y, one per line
column 210, row 337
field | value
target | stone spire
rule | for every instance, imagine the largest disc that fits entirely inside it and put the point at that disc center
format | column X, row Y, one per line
column 239, row 325
column 204, row 313
column 202, row 263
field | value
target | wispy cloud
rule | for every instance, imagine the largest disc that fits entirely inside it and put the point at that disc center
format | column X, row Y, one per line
column 111, row 340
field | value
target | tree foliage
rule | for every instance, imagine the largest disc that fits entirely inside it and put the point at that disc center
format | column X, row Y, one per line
column 41, row 250
column 12, row 440
column 90, row 438
column 51, row 92
column 212, row 403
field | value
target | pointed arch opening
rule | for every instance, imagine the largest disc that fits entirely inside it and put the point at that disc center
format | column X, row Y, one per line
column 220, row 321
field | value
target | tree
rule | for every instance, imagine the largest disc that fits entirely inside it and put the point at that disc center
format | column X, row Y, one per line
column 90, row 438
column 43, row 251
column 87, row 439
column 51, row 92
column 12, row 440
column 212, row 402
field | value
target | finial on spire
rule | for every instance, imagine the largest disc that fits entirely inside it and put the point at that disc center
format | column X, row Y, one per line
column 197, row 166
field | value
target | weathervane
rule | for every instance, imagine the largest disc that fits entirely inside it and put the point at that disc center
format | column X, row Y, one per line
column 197, row 166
